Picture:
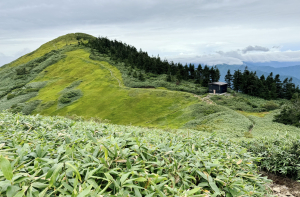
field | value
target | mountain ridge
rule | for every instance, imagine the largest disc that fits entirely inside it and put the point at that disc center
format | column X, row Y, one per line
column 262, row 71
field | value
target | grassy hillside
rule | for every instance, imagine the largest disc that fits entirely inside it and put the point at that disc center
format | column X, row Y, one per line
column 75, row 80
column 104, row 94
column 66, row 81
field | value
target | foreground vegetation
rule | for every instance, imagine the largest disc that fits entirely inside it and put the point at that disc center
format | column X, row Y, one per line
column 51, row 156
column 280, row 154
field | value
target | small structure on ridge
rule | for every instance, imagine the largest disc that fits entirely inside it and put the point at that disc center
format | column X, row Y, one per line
column 217, row 87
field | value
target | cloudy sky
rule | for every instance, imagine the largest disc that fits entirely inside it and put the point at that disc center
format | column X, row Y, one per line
column 202, row 31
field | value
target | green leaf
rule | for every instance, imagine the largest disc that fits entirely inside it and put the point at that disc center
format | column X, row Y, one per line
column 137, row 192
column 43, row 192
column 91, row 137
column 109, row 177
column 6, row 168
column 128, row 164
column 132, row 186
column 85, row 191
column 75, row 170
column 12, row 190
column 55, row 174
column 20, row 193
column 213, row 185
column 141, row 179
column 193, row 190
column 124, row 177
column 39, row 185
column 150, row 195
column 102, row 191
column 50, row 172
column 106, row 153
column 244, row 150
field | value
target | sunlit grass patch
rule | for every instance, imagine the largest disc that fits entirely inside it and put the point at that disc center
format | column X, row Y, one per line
column 105, row 96
column 258, row 114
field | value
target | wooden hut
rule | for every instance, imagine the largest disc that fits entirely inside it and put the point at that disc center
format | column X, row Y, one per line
column 217, row 87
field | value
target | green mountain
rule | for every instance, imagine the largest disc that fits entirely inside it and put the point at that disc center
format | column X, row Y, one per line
column 66, row 77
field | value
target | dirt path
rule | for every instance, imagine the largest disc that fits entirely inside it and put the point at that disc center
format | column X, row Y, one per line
column 113, row 76
column 111, row 72
column 283, row 186
column 205, row 99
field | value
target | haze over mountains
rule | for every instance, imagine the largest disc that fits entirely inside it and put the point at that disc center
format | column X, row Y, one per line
column 284, row 69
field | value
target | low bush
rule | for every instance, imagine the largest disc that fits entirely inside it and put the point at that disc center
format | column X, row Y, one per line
column 290, row 114
column 64, row 100
column 270, row 105
column 69, row 95
column 248, row 134
column 280, row 155
column 10, row 96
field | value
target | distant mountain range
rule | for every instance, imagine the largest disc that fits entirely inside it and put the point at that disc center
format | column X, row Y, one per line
column 287, row 69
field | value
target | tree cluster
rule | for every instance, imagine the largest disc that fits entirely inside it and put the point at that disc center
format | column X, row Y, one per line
column 133, row 58
column 290, row 115
column 268, row 88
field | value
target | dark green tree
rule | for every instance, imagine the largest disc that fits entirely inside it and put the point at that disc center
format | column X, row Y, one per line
column 206, row 76
column 141, row 77
column 135, row 74
column 192, row 71
column 228, row 79
column 237, row 80
column 199, row 74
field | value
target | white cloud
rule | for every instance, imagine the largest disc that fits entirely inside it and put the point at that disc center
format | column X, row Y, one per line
column 169, row 28
column 255, row 48
column 238, row 57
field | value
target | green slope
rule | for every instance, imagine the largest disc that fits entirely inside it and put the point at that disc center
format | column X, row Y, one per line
column 104, row 94
column 67, row 82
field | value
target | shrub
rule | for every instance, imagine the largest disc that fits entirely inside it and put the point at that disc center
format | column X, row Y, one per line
column 10, row 96
column 30, row 107
column 22, row 71
column 71, row 94
column 270, row 105
column 248, row 135
column 279, row 155
column 64, row 100
column 289, row 116
column 30, row 90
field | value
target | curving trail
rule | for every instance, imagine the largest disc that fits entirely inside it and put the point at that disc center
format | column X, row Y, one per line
column 111, row 72
column 113, row 75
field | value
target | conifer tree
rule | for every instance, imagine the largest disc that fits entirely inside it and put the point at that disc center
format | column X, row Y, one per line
column 192, row 71
column 178, row 76
column 228, row 78
column 206, row 76
column 237, row 80
column 135, row 74
column 186, row 72
column 141, row 77
column 199, row 74
column 217, row 73
column 278, row 83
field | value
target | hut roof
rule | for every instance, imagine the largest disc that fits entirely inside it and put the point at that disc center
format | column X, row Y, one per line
column 218, row 83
